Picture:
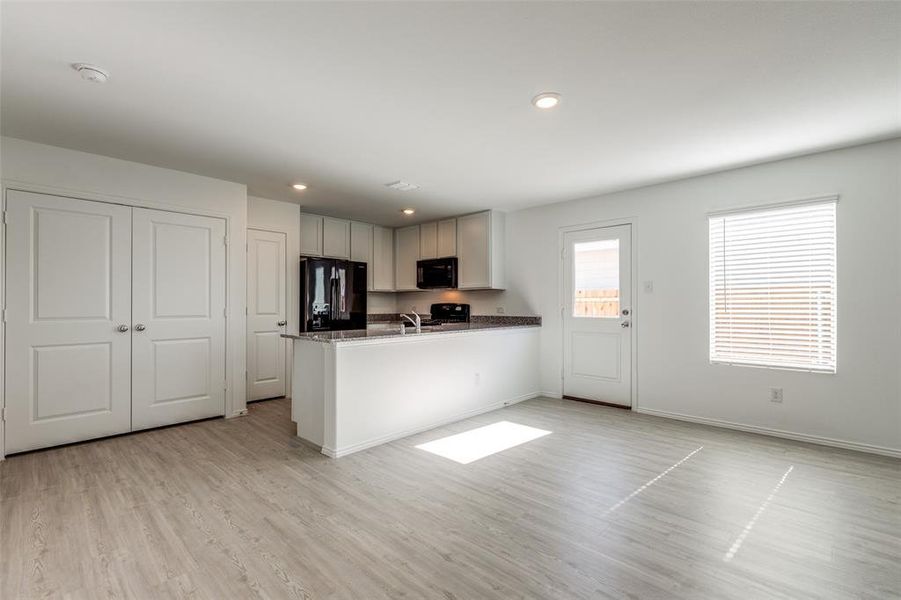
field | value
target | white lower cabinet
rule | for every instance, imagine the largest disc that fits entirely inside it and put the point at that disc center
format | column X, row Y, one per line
column 115, row 319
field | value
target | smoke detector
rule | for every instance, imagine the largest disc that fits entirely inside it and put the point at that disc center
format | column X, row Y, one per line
column 402, row 186
column 91, row 72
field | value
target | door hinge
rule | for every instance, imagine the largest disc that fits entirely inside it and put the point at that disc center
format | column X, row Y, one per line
column 225, row 240
column 2, row 315
column 3, row 414
column 3, row 217
column 225, row 385
column 225, row 312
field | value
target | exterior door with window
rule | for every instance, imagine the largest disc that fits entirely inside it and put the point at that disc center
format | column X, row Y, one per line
column 597, row 319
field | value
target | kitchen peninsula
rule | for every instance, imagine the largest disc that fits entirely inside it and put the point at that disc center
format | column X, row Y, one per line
column 356, row 389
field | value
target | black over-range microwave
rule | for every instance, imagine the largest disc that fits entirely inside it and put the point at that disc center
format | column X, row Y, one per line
column 436, row 273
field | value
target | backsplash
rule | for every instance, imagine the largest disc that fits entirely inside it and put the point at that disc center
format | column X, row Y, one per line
column 496, row 319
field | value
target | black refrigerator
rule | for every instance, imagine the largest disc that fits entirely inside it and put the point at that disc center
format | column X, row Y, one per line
column 332, row 294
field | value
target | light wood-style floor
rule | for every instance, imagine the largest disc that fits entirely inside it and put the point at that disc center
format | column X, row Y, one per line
column 610, row 505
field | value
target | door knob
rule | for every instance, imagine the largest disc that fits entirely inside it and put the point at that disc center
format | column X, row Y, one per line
column 282, row 323
column 140, row 327
column 122, row 328
column 625, row 324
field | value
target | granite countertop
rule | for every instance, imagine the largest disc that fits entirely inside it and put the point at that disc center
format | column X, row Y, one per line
column 392, row 330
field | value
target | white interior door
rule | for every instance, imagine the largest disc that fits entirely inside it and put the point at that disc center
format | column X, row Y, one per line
column 597, row 332
column 178, row 345
column 68, row 282
column 266, row 313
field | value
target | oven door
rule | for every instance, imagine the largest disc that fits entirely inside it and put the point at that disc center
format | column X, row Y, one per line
column 436, row 273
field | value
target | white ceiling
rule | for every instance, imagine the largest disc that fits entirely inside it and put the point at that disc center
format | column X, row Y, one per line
column 349, row 96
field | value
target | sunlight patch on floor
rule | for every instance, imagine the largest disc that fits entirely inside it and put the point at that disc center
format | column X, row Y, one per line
column 474, row 444
column 741, row 537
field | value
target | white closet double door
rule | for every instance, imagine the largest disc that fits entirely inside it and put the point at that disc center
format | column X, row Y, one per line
column 115, row 319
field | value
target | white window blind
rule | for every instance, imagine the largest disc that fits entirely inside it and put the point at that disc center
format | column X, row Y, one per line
column 772, row 287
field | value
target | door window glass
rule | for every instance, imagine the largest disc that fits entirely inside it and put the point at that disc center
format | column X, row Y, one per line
column 596, row 279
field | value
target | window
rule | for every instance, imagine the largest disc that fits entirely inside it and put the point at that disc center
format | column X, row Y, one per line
column 772, row 287
column 596, row 270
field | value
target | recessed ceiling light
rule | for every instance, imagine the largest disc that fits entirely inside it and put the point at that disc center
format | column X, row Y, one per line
column 402, row 186
column 408, row 211
column 91, row 72
column 546, row 100
column 299, row 186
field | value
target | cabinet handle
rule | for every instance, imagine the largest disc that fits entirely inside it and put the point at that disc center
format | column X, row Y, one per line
column 140, row 327
column 122, row 328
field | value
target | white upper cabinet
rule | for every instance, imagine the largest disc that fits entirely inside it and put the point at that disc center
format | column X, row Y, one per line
column 310, row 235
column 381, row 269
column 480, row 250
column 438, row 239
column 335, row 238
column 360, row 242
column 447, row 238
column 428, row 241
column 406, row 253
column 361, row 247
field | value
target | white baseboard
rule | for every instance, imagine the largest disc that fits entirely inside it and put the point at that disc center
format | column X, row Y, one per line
column 790, row 435
column 339, row 452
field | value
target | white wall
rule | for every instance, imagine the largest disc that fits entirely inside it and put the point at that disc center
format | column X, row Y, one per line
column 48, row 169
column 861, row 404
column 283, row 217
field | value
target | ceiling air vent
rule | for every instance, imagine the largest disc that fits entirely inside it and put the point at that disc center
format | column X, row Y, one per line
column 402, row 186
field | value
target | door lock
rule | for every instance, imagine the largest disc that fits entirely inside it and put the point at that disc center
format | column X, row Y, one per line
column 282, row 323
column 626, row 312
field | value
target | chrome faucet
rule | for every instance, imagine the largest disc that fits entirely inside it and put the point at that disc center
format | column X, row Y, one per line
column 417, row 322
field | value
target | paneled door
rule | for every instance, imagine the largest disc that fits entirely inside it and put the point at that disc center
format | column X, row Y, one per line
column 68, row 320
column 597, row 319
column 266, row 314
column 178, row 345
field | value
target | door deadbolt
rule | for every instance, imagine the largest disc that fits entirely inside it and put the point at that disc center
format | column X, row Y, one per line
column 626, row 312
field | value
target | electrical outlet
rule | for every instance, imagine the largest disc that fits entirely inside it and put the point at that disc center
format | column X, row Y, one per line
column 500, row 310
column 775, row 394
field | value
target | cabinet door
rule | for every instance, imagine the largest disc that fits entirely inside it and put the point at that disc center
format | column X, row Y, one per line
column 361, row 247
column 178, row 307
column 335, row 238
column 447, row 238
column 360, row 242
column 406, row 254
column 428, row 241
column 310, row 235
column 382, row 266
column 473, row 250
column 68, row 364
